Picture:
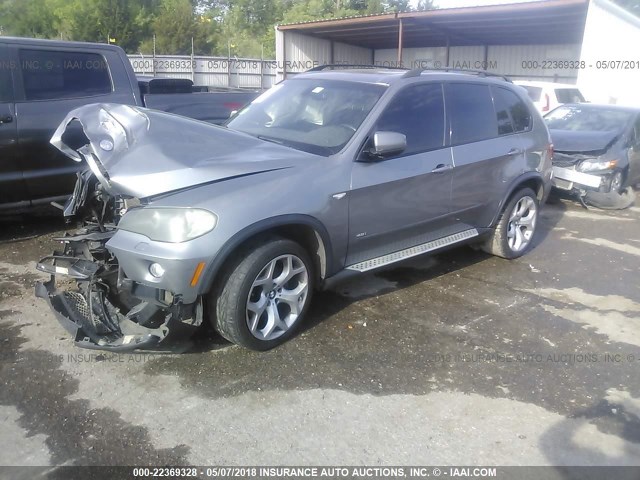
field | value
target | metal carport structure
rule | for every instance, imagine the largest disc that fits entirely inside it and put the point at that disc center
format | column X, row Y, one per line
column 540, row 40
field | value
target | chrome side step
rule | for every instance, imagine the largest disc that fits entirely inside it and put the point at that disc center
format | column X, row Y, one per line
column 413, row 251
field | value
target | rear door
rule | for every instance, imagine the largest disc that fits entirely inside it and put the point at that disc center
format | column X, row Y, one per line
column 12, row 187
column 488, row 151
column 53, row 82
column 400, row 201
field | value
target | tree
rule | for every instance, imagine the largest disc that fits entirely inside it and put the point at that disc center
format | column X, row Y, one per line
column 127, row 21
column 28, row 18
column 175, row 25
column 244, row 28
column 88, row 20
column 425, row 5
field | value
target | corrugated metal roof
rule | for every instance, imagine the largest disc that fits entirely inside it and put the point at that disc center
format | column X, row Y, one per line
column 320, row 20
column 541, row 22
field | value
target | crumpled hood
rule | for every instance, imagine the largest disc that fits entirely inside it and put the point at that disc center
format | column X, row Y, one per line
column 141, row 153
column 572, row 141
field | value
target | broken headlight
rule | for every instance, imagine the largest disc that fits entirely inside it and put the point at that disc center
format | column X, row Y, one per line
column 173, row 225
column 595, row 165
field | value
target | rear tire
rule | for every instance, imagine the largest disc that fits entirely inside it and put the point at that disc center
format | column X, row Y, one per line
column 263, row 295
column 516, row 226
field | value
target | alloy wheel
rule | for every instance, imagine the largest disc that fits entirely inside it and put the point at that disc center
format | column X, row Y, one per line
column 522, row 224
column 277, row 297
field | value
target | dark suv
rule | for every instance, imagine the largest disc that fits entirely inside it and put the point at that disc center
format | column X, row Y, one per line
column 330, row 172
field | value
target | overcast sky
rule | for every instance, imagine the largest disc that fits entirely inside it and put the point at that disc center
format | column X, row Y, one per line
column 468, row 3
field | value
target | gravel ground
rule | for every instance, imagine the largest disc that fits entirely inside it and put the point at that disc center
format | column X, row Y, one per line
column 457, row 359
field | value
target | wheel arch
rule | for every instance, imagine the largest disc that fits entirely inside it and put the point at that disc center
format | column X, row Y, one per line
column 533, row 180
column 305, row 230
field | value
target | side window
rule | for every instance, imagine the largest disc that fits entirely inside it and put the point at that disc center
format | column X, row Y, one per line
column 471, row 111
column 513, row 114
column 505, row 126
column 418, row 113
column 6, row 84
column 49, row 74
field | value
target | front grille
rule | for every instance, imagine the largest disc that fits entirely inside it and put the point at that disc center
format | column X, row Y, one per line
column 78, row 303
column 564, row 161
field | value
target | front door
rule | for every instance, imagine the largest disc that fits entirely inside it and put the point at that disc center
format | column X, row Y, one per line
column 403, row 201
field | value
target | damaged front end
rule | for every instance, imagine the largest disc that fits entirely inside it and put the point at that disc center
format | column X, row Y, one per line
column 88, row 290
column 594, row 181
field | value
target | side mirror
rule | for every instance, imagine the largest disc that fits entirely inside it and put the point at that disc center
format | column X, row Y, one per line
column 388, row 143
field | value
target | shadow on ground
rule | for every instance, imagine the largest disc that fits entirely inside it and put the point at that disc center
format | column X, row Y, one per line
column 75, row 433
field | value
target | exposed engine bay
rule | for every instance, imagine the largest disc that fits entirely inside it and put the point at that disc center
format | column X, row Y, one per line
column 105, row 310
column 88, row 290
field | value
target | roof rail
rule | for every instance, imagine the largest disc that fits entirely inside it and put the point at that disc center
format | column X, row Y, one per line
column 320, row 68
column 481, row 73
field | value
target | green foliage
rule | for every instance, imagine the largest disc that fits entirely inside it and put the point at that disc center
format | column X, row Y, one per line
column 175, row 25
column 243, row 28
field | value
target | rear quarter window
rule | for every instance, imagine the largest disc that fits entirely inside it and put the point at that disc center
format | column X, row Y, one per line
column 512, row 113
column 471, row 113
column 50, row 74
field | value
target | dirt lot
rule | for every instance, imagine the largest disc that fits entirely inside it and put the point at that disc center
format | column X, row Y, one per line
column 457, row 359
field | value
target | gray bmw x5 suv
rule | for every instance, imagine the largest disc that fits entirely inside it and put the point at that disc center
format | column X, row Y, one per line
column 329, row 173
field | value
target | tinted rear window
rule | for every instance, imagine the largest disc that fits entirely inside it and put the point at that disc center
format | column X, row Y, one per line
column 534, row 92
column 512, row 113
column 470, row 109
column 418, row 113
column 569, row 95
column 48, row 74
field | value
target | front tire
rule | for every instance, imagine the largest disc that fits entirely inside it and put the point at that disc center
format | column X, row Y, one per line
column 263, row 295
column 617, row 181
column 513, row 235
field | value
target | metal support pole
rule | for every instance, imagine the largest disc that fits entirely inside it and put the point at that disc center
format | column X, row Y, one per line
column 193, row 67
column 262, row 67
column 228, row 63
column 448, row 51
column 400, row 35
column 284, row 56
column 153, row 66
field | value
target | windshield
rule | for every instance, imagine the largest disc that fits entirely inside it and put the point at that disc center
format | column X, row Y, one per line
column 589, row 119
column 317, row 116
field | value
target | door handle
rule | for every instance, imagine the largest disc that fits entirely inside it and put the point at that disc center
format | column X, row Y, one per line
column 6, row 119
column 515, row 151
column 441, row 168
